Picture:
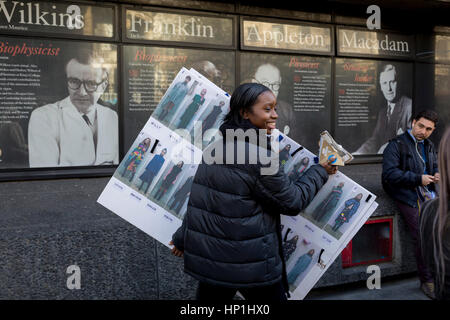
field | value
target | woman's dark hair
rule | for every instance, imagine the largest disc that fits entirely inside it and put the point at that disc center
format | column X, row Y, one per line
column 243, row 99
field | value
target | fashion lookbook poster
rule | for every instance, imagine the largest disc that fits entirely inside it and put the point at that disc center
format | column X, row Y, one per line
column 151, row 186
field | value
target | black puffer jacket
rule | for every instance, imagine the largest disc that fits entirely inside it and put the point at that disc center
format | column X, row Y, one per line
column 231, row 232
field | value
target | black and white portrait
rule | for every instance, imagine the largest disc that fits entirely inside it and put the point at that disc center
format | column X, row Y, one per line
column 394, row 115
column 77, row 130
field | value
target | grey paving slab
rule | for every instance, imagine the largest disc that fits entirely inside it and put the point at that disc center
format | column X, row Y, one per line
column 46, row 226
column 114, row 263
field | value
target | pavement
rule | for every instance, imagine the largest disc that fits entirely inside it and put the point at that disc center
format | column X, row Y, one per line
column 391, row 289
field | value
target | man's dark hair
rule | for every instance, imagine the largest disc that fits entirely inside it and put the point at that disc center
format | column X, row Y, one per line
column 243, row 99
column 84, row 56
column 87, row 57
column 427, row 114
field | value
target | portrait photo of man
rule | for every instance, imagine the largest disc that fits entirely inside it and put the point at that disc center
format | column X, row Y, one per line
column 394, row 116
column 208, row 69
column 77, row 130
column 269, row 75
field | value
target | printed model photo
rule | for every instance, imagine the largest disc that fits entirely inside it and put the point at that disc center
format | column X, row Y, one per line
column 290, row 240
column 284, row 154
column 198, row 99
column 327, row 200
column 210, row 119
column 177, row 204
column 192, row 109
column 184, row 104
column 294, row 158
column 299, row 168
column 300, row 161
column 301, row 261
column 173, row 99
column 151, row 170
column 135, row 159
column 172, row 190
column 286, row 149
column 346, row 214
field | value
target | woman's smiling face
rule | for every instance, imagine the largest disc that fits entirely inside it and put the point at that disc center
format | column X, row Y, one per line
column 263, row 113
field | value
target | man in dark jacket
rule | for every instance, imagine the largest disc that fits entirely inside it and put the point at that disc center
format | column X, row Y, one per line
column 409, row 168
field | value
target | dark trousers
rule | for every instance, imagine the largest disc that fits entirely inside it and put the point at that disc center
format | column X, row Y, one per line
column 337, row 225
column 177, row 203
column 212, row 293
column 161, row 191
column 169, row 105
column 149, row 182
column 411, row 216
column 125, row 169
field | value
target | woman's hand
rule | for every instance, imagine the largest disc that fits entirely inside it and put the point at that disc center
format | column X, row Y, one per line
column 331, row 169
column 175, row 251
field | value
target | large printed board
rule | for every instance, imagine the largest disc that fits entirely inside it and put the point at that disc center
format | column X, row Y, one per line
column 313, row 239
